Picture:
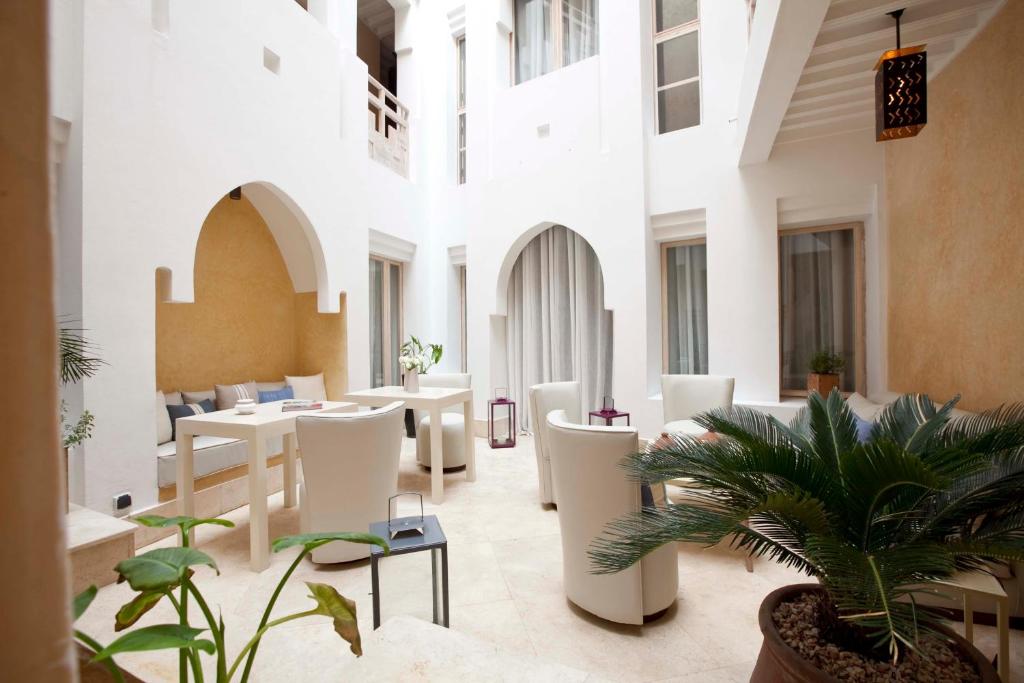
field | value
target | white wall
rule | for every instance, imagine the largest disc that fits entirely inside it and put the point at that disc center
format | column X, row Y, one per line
column 169, row 123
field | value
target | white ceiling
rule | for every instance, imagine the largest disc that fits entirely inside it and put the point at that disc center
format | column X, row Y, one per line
column 835, row 93
column 379, row 17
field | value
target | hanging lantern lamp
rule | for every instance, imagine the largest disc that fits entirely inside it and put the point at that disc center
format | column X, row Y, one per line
column 901, row 90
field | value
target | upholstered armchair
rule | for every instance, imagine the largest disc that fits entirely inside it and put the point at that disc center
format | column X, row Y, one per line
column 453, row 423
column 544, row 398
column 349, row 470
column 683, row 397
column 592, row 490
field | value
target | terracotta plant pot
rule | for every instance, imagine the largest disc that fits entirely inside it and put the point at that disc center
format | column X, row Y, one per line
column 779, row 663
column 823, row 384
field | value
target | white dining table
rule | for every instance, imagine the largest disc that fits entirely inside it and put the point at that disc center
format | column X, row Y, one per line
column 433, row 400
column 267, row 422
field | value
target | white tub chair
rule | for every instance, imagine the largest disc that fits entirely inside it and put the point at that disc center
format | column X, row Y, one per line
column 453, row 423
column 543, row 399
column 349, row 470
column 592, row 490
column 683, row 397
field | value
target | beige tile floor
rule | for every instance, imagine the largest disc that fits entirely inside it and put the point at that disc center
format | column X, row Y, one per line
column 505, row 578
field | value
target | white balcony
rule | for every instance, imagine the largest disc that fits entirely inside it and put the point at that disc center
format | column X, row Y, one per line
column 389, row 128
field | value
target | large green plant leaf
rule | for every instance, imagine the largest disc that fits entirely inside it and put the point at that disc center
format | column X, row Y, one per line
column 331, row 603
column 912, row 421
column 159, row 637
column 184, row 522
column 162, row 568
column 82, row 601
column 315, row 540
column 833, row 428
column 132, row 611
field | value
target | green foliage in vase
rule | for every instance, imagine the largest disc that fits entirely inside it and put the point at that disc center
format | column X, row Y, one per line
column 167, row 573
column 827, row 363
column 414, row 355
column 875, row 522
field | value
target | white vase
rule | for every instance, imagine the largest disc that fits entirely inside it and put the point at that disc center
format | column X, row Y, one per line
column 412, row 381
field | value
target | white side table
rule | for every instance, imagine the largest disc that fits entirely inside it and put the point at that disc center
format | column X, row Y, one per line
column 970, row 584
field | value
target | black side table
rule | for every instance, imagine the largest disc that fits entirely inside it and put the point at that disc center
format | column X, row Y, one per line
column 432, row 539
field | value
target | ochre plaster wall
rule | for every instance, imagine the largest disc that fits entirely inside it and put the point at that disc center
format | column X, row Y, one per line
column 246, row 322
column 956, row 229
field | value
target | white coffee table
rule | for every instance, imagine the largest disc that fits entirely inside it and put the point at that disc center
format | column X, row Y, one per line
column 432, row 399
column 268, row 421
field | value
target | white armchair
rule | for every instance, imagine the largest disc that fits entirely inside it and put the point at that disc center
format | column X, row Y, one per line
column 453, row 423
column 349, row 470
column 592, row 490
column 544, row 398
column 683, row 397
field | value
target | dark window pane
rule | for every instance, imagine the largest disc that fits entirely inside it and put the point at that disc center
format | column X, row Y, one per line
column 670, row 13
column 679, row 107
column 678, row 59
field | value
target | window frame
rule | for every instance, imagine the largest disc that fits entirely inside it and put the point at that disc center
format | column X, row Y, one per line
column 463, row 314
column 460, row 110
column 665, row 246
column 692, row 26
column 555, row 17
column 859, row 307
column 385, row 289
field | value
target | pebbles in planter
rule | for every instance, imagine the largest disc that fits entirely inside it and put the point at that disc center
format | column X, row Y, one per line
column 797, row 623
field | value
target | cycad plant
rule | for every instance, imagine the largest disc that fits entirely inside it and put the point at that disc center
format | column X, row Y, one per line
column 875, row 521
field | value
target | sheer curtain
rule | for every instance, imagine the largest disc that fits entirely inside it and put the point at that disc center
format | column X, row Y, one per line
column 579, row 30
column 533, row 39
column 376, row 323
column 817, row 282
column 557, row 328
column 686, row 273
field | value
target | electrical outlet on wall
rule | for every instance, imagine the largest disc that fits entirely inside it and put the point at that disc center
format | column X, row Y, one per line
column 122, row 501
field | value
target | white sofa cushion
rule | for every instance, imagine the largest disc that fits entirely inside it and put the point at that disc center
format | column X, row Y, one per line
column 310, row 388
column 173, row 398
column 209, row 454
column 163, row 420
column 688, row 427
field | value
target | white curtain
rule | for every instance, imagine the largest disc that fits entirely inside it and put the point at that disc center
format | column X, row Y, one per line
column 817, row 281
column 533, row 39
column 686, row 272
column 579, row 30
column 557, row 328
column 376, row 323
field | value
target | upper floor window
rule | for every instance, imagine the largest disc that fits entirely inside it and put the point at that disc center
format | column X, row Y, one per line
column 551, row 34
column 677, row 62
column 684, row 315
column 460, row 107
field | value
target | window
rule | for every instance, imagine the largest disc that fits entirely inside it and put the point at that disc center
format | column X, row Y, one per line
column 464, row 346
column 677, row 64
column 821, row 285
column 460, row 107
column 684, row 282
column 551, row 34
column 385, row 321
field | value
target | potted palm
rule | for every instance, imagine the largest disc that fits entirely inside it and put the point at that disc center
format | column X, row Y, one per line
column 77, row 362
column 876, row 523
column 825, row 368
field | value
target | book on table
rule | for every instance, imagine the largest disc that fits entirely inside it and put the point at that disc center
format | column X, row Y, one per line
column 294, row 404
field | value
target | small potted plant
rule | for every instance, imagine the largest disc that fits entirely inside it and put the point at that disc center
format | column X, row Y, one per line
column 77, row 362
column 416, row 358
column 825, row 369
column 876, row 523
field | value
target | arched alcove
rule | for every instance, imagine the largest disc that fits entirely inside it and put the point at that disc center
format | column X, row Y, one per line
column 255, row 311
column 556, row 325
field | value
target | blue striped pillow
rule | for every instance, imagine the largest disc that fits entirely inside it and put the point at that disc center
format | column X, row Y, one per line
column 276, row 395
column 188, row 410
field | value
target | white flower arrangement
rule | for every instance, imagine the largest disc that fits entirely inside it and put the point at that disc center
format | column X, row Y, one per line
column 416, row 356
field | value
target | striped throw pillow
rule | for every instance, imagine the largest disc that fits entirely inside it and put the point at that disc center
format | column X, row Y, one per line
column 229, row 394
column 188, row 410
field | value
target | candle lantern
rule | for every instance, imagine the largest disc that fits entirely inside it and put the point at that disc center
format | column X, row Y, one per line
column 901, row 90
column 501, row 409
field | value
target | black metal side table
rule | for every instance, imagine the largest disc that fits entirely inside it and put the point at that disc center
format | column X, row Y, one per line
column 432, row 539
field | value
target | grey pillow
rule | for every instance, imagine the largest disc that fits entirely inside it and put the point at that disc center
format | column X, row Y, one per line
column 173, row 398
column 198, row 396
column 229, row 394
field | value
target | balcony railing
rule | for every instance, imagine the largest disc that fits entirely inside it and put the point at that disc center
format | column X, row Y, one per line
column 389, row 128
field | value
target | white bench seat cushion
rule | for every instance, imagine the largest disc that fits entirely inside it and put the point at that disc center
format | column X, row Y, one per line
column 209, row 454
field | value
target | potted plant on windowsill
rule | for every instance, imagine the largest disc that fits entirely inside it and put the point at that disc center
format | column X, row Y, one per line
column 416, row 358
column 877, row 523
column 825, row 368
